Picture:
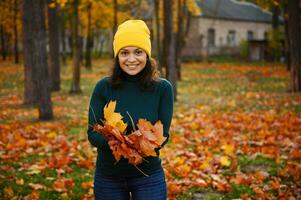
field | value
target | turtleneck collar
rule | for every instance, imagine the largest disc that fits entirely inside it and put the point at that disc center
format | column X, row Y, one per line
column 134, row 78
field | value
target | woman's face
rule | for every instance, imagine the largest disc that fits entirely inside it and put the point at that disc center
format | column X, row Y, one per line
column 132, row 60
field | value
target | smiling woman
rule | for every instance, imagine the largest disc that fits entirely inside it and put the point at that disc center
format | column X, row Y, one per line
column 132, row 60
column 140, row 94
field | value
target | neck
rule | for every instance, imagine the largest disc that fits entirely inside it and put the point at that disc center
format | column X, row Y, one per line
column 136, row 77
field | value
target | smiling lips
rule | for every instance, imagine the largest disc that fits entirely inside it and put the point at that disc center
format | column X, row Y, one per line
column 132, row 66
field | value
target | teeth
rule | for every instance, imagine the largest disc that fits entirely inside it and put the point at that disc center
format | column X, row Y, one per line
column 132, row 66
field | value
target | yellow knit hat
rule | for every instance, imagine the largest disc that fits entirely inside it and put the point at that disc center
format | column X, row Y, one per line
column 132, row 33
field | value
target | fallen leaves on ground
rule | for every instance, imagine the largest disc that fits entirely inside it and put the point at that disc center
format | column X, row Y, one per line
column 235, row 131
column 212, row 149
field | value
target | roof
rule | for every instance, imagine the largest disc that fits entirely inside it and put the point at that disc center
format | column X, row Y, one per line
column 234, row 10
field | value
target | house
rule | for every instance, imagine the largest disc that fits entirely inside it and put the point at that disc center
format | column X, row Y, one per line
column 222, row 25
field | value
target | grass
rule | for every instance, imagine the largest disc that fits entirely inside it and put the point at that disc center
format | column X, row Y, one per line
column 259, row 163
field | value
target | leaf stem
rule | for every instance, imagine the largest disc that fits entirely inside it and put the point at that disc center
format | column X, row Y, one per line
column 93, row 113
column 133, row 125
column 141, row 171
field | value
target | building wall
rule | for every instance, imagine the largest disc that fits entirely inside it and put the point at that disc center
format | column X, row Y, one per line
column 197, row 40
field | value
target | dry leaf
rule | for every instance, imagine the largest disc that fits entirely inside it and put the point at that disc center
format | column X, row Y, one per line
column 112, row 118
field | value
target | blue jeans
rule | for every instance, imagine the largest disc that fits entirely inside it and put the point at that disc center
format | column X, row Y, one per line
column 152, row 187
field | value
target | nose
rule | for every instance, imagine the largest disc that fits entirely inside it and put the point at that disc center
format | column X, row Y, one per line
column 132, row 57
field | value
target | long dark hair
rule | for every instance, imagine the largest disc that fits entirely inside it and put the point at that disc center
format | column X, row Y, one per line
column 146, row 82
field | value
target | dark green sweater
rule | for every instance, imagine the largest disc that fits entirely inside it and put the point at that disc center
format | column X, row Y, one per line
column 152, row 105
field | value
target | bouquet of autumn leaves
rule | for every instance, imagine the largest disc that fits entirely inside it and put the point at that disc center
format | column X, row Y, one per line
column 135, row 146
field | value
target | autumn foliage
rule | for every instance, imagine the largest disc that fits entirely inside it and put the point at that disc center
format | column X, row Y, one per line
column 229, row 139
column 140, row 143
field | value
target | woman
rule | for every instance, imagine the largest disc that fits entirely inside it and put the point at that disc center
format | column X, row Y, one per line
column 138, row 90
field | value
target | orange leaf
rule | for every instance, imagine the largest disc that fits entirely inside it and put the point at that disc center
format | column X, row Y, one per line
column 34, row 195
column 87, row 185
column 152, row 132
column 148, row 148
column 158, row 132
column 63, row 185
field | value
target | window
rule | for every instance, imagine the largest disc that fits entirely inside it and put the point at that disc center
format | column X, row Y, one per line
column 211, row 37
column 231, row 38
column 265, row 35
column 250, row 35
column 201, row 39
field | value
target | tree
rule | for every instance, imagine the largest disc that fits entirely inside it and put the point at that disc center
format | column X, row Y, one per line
column 15, row 26
column 75, row 85
column 179, row 38
column 37, row 89
column 169, row 46
column 294, row 33
column 10, row 27
column 292, row 10
column 54, row 47
column 115, row 10
column 157, row 34
column 3, row 42
column 89, row 38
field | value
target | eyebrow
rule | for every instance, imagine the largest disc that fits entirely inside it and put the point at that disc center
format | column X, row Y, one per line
column 129, row 50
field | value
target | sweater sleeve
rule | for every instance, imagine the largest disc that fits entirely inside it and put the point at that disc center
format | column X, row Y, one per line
column 97, row 103
column 166, row 108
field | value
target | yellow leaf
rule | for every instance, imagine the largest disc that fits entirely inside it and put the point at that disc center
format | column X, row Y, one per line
column 20, row 181
column 51, row 135
column 228, row 149
column 178, row 161
column 8, row 191
column 204, row 165
column 112, row 118
column 52, row 5
column 225, row 161
column 194, row 125
column 232, row 103
column 185, row 168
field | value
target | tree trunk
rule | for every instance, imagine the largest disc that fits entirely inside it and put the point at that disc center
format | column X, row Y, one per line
column 158, row 38
column 115, row 20
column 3, row 46
column 89, row 39
column 275, row 18
column 179, row 40
column 188, row 22
column 294, row 29
column 286, row 41
column 35, row 57
column 75, row 85
column 54, row 47
column 169, row 46
column 16, row 40
column 63, row 37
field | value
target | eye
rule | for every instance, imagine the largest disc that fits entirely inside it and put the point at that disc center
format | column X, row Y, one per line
column 139, row 52
column 123, row 53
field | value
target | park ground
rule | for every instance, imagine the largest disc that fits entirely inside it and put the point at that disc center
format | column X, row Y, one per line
column 236, row 133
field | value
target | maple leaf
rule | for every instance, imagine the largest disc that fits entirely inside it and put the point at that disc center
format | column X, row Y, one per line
column 152, row 132
column 112, row 118
column 122, row 149
column 158, row 132
column 135, row 146
column 148, row 147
